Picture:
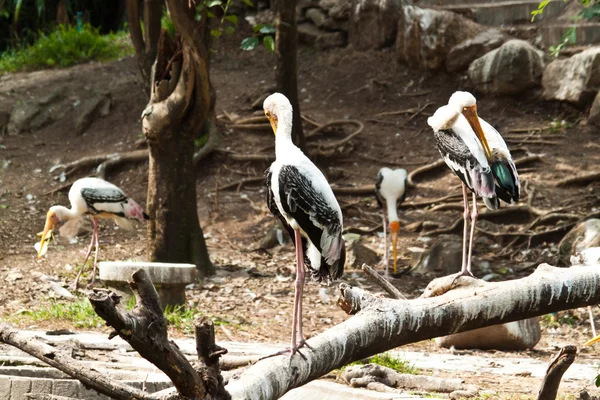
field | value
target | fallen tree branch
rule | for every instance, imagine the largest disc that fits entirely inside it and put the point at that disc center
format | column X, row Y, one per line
column 383, row 283
column 102, row 163
column 381, row 324
column 558, row 366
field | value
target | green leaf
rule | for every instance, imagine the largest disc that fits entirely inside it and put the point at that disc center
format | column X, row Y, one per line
column 229, row 30
column 210, row 14
column 257, row 28
column 40, row 7
column 249, row 43
column 267, row 29
column 3, row 206
column 248, row 3
column 18, row 4
column 232, row 18
column 216, row 32
column 597, row 381
column 212, row 3
column 269, row 43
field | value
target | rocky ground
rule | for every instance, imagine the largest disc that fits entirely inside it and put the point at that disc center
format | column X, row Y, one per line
column 252, row 292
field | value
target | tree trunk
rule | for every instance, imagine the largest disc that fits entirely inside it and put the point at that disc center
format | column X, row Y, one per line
column 179, row 103
column 286, row 45
column 145, row 43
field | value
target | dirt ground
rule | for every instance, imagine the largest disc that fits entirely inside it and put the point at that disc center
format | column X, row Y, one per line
column 253, row 289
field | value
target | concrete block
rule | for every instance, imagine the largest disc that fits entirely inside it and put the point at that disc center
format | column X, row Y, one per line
column 41, row 386
column 5, row 384
column 66, row 388
column 169, row 279
column 19, row 388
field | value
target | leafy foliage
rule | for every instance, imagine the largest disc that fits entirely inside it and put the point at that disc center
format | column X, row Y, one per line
column 65, row 47
column 590, row 11
column 261, row 31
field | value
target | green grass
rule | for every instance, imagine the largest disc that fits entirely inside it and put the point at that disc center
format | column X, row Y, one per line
column 65, row 47
column 182, row 318
column 78, row 312
column 398, row 364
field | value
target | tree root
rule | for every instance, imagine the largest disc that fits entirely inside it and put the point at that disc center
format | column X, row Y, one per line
column 578, row 179
column 102, row 163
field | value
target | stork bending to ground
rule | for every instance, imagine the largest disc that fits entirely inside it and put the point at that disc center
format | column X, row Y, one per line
column 300, row 196
column 99, row 199
column 478, row 155
column 390, row 190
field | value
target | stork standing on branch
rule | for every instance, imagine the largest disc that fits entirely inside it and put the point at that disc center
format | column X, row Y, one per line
column 390, row 191
column 99, row 199
column 478, row 155
column 301, row 198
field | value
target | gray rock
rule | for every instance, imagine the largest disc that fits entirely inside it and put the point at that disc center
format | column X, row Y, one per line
column 358, row 254
column 275, row 236
column 336, row 9
column 583, row 236
column 97, row 106
column 373, row 24
column 331, row 24
column 518, row 335
column 464, row 53
column 575, row 80
column 425, row 37
column 316, row 16
column 444, row 257
column 593, row 118
column 513, row 68
column 309, row 34
column 589, row 256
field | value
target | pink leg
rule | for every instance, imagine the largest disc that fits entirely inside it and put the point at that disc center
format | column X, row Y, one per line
column 474, row 216
column 97, row 243
column 75, row 284
column 300, row 276
column 463, row 269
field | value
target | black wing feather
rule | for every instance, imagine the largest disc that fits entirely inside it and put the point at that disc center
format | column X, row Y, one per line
column 378, row 189
column 300, row 201
column 104, row 195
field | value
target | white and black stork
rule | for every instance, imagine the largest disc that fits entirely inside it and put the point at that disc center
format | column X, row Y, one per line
column 390, row 191
column 300, row 196
column 100, row 200
column 478, row 155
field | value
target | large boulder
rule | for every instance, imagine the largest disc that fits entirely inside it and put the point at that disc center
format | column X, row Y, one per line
column 425, row 37
column 513, row 68
column 575, row 79
column 464, row 53
column 593, row 118
column 583, row 236
column 518, row 335
column 373, row 24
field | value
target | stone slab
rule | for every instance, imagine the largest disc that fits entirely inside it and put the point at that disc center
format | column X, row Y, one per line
column 160, row 273
column 325, row 390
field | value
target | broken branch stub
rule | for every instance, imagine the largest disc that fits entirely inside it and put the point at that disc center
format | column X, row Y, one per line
column 145, row 329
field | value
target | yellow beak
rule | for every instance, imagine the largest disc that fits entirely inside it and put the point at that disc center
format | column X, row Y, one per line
column 394, row 228
column 273, row 122
column 592, row 341
column 47, row 228
column 470, row 114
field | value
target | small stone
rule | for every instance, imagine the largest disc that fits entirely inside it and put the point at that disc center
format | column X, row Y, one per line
column 358, row 254
column 13, row 276
column 316, row 16
column 594, row 117
column 444, row 257
column 309, row 34
column 336, row 9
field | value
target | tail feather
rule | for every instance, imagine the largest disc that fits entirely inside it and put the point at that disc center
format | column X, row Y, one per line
column 492, row 203
column 506, row 184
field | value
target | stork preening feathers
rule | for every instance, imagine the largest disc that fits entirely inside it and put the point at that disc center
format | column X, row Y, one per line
column 478, row 155
column 301, row 198
column 99, row 199
column 390, row 190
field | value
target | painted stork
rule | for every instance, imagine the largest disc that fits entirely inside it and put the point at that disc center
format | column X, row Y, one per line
column 300, row 196
column 99, row 199
column 390, row 190
column 478, row 155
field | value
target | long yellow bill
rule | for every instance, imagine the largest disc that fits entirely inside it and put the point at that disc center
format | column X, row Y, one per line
column 394, row 228
column 273, row 121
column 470, row 114
column 51, row 220
column 592, row 341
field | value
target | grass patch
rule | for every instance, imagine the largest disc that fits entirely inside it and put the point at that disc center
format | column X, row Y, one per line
column 396, row 363
column 79, row 313
column 65, row 47
column 182, row 319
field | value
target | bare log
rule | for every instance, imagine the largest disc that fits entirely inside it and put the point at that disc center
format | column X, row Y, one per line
column 558, row 366
column 60, row 360
column 381, row 324
column 579, row 179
